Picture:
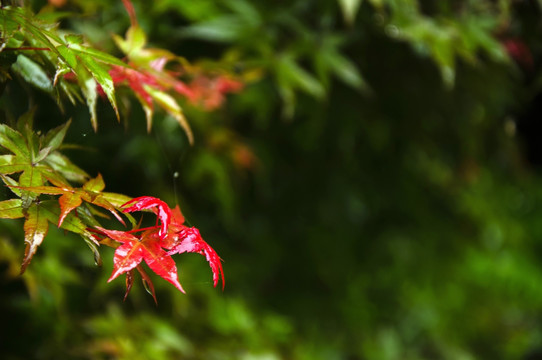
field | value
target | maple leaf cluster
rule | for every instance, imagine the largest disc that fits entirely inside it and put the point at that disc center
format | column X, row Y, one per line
column 207, row 91
column 34, row 167
column 146, row 75
column 153, row 75
column 155, row 245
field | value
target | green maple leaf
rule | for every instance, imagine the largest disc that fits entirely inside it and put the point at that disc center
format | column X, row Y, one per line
column 66, row 54
column 37, row 218
column 71, row 198
column 37, row 160
column 35, row 157
column 91, row 67
column 148, row 82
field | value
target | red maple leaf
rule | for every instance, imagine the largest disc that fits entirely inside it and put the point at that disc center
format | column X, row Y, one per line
column 136, row 80
column 134, row 250
column 151, row 244
column 210, row 92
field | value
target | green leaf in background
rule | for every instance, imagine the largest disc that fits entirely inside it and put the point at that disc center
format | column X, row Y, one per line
column 168, row 103
column 427, row 36
column 447, row 38
column 246, row 10
column 290, row 77
column 136, row 39
column 349, row 9
column 235, row 26
column 291, row 74
column 32, row 73
column 226, row 28
column 328, row 59
column 195, row 11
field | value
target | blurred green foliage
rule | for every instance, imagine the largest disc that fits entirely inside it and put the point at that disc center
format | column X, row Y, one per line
column 369, row 190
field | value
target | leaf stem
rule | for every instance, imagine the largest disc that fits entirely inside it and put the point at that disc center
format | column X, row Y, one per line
column 25, row 48
column 142, row 229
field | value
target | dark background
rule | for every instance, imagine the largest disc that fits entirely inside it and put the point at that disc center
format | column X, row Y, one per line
column 390, row 213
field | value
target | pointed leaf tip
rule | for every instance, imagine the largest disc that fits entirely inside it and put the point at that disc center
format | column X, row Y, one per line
column 35, row 229
column 129, row 283
column 148, row 202
column 147, row 283
column 190, row 240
